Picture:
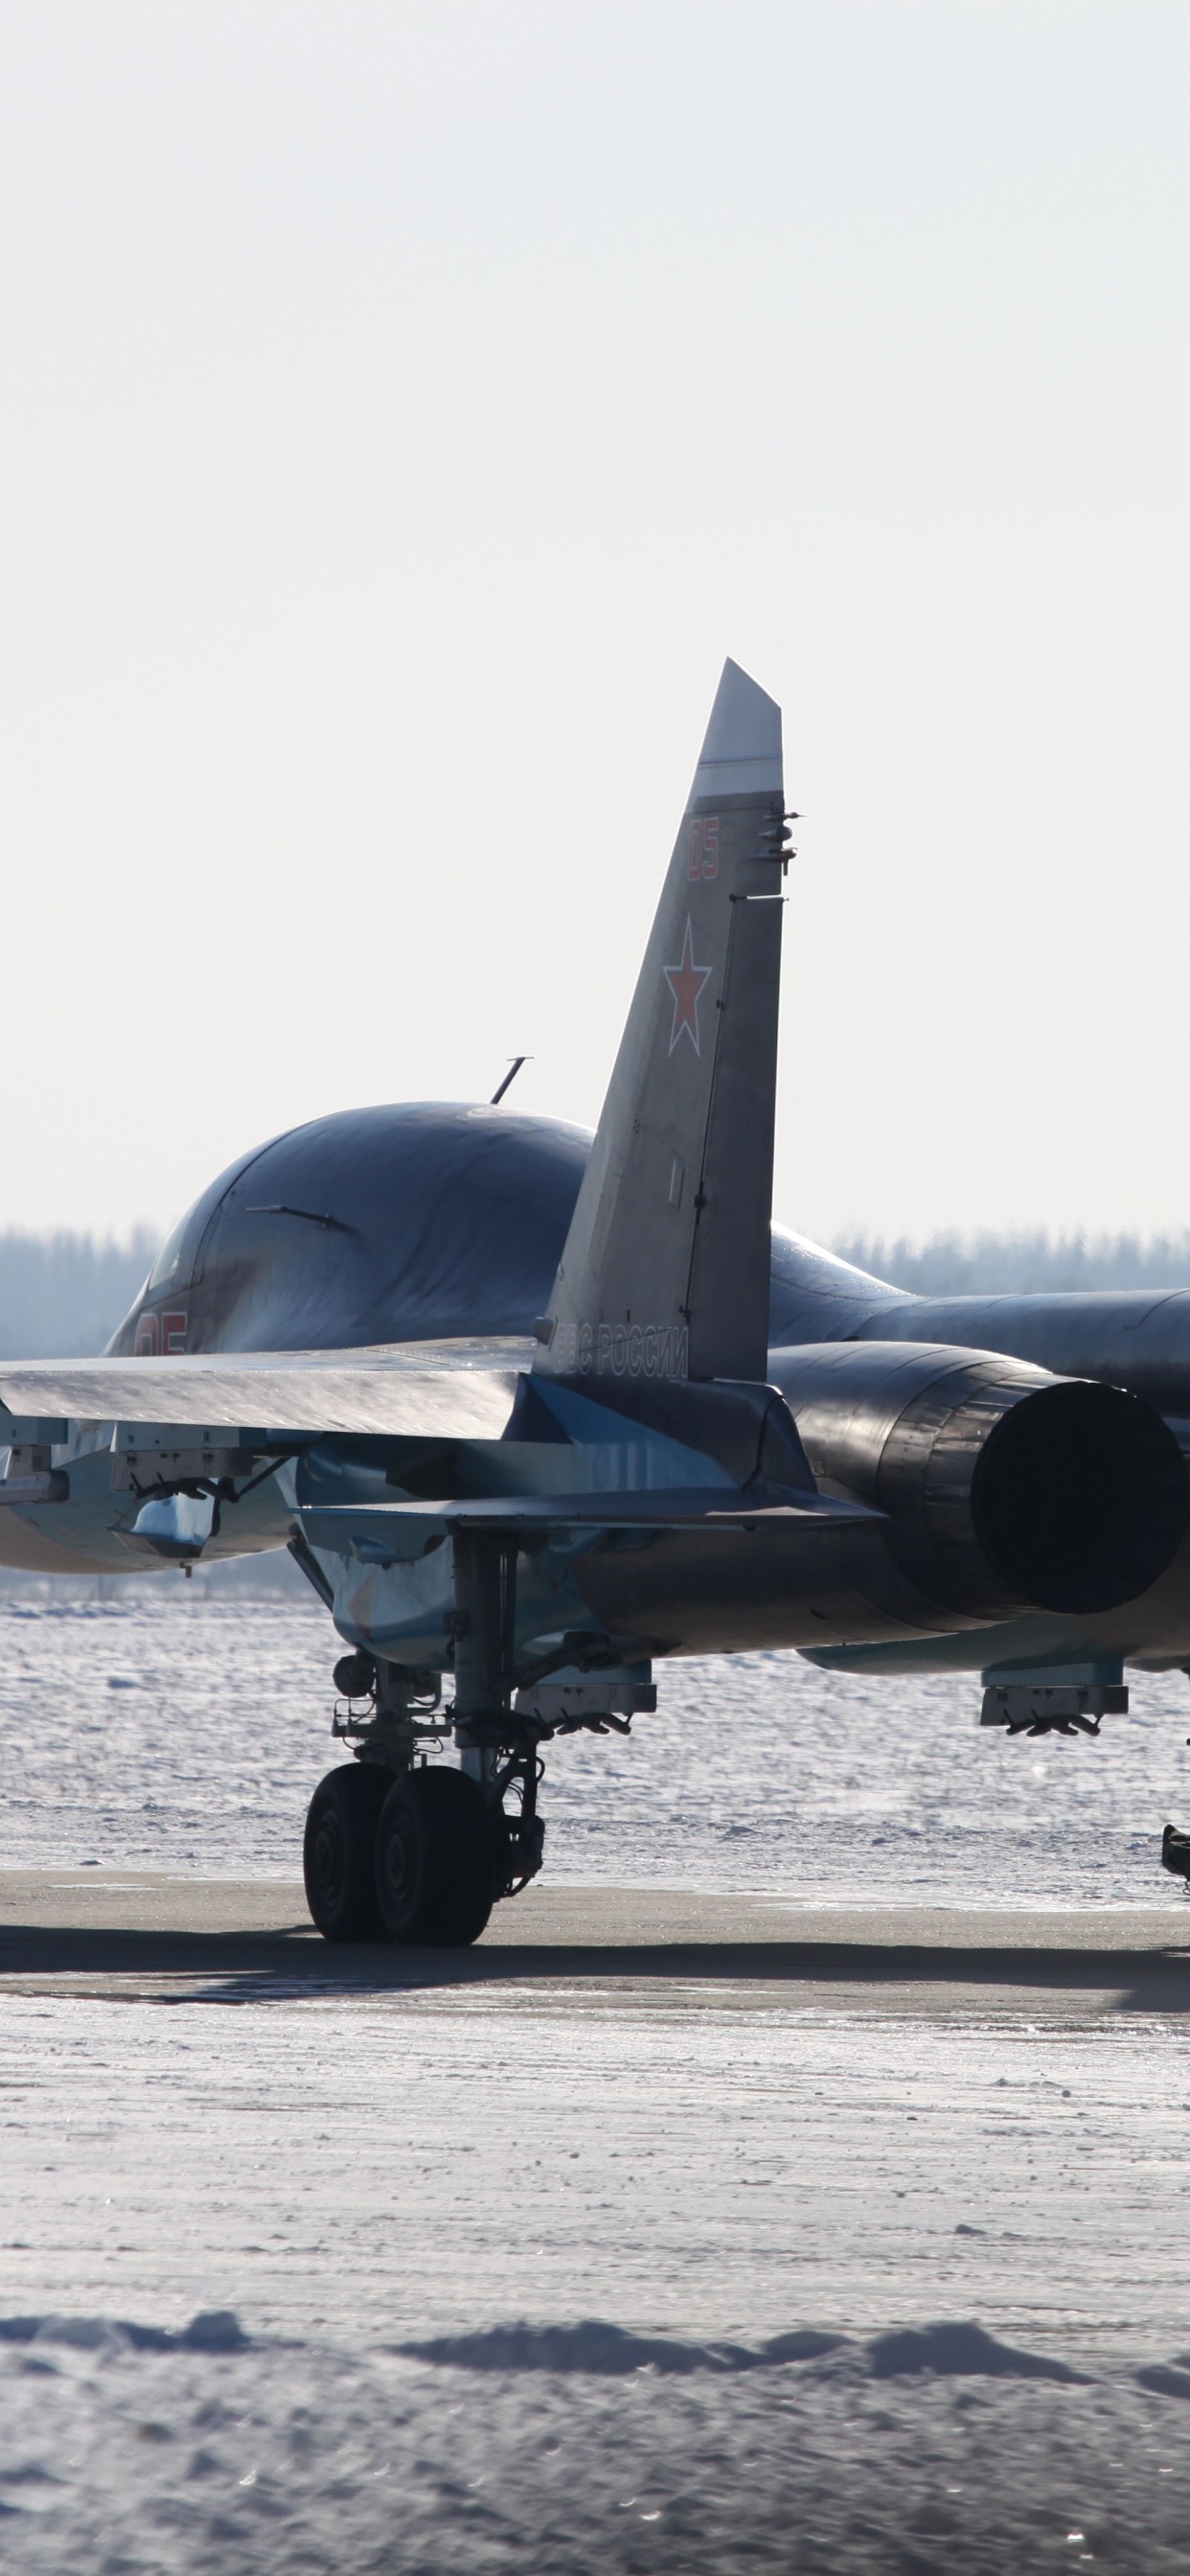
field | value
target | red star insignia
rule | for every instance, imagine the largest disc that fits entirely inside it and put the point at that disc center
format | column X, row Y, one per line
column 685, row 983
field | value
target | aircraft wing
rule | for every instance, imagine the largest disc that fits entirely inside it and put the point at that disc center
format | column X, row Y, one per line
column 462, row 1389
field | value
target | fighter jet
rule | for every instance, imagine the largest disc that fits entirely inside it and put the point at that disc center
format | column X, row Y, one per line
column 537, row 1414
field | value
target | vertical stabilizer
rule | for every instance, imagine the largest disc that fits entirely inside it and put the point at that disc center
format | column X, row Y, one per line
column 665, row 1273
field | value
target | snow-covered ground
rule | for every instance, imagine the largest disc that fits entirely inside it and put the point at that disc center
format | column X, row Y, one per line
column 405, row 2206
column 380, row 2188
column 175, row 1726
column 283, row 2460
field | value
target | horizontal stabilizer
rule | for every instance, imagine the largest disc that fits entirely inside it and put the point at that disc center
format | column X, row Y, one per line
column 676, row 1507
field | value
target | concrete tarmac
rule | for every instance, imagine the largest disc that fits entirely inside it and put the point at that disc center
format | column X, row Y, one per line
column 139, row 1934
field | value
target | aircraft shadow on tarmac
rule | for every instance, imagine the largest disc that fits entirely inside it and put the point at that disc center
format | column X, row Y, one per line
column 242, row 1967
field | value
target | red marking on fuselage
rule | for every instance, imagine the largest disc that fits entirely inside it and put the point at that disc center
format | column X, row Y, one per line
column 155, row 1334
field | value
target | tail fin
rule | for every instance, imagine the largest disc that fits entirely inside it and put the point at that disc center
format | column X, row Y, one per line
column 665, row 1272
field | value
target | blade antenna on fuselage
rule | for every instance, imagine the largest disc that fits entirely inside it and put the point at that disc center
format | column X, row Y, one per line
column 514, row 1067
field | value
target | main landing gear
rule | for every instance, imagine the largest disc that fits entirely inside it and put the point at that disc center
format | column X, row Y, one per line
column 397, row 1849
column 405, row 1857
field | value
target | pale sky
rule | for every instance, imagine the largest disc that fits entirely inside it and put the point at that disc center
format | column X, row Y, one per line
column 404, row 410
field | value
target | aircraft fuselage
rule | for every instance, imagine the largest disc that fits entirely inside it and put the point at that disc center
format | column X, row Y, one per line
column 419, row 1222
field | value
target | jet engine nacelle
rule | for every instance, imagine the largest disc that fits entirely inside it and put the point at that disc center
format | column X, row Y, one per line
column 1005, row 1487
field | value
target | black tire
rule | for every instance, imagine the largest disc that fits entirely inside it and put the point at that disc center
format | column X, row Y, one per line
column 339, row 1852
column 434, row 1859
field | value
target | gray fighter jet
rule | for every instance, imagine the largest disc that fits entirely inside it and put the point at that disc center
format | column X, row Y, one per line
column 535, row 1413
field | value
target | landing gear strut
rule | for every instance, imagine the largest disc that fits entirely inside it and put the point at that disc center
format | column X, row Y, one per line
column 499, row 1750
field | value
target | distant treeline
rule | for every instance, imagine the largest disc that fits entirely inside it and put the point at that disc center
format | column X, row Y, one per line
column 964, row 1265
column 62, row 1295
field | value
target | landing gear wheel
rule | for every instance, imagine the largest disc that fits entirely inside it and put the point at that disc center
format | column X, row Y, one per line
column 434, row 1874
column 339, row 1853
